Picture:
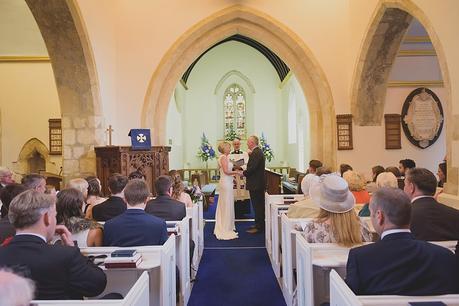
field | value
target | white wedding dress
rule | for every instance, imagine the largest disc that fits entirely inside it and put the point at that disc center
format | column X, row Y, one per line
column 224, row 218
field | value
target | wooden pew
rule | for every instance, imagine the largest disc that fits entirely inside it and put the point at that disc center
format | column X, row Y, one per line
column 342, row 295
column 138, row 295
column 277, row 210
column 181, row 229
column 289, row 254
column 158, row 261
column 193, row 214
column 314, row 263
column 275, row 199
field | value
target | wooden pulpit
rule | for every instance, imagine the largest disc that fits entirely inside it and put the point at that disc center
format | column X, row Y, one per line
column 122, row 159
column 273, row 182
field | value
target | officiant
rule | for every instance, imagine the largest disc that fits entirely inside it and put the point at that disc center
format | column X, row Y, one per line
column 241, row 195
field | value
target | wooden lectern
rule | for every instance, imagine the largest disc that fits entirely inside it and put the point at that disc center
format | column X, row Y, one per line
column 273, row 182
column 116, row 159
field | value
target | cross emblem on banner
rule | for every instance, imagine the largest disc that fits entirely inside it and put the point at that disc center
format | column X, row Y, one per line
column 141, row 138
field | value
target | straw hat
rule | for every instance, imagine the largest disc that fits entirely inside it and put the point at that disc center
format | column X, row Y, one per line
column 333, row 195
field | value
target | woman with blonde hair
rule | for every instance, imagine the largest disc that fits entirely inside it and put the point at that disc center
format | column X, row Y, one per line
column 337, row 221
column 224, row 217
column 356, row 184
column 178, row 190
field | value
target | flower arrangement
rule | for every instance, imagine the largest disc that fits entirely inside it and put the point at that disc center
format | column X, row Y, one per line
column 267, row 151
column 205, row 151
column 231, row 133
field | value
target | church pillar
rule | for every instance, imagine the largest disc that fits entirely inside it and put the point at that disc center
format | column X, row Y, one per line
column 80, row 135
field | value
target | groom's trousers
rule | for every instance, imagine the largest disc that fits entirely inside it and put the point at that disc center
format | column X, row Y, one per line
column 257, row 197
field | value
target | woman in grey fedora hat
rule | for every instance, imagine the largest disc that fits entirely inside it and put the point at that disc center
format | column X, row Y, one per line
column 337, row 221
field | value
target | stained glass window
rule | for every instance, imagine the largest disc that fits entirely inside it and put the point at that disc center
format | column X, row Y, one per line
column 234, row 107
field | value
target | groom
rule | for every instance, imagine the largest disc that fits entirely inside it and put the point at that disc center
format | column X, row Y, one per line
column 255, row 175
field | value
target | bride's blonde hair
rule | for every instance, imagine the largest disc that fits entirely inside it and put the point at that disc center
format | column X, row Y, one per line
column 222, row 145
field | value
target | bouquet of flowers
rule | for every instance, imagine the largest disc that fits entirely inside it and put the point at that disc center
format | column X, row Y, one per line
column 205, row 151
column 231, row 134
column 267, row 151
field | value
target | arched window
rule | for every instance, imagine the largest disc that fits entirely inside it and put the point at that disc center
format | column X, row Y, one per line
column 234, row 108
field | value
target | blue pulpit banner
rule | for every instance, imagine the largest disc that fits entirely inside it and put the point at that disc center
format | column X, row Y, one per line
column 140, row 139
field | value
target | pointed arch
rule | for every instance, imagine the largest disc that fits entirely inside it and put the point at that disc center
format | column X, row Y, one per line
column 239, row 19
column 234, row 73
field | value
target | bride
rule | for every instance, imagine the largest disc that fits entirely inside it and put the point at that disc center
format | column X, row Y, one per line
column 224, row 220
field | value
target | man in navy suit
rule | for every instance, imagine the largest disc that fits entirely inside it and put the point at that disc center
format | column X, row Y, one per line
column 135, row 227
column 399, row 264
column 115, row 204
column 430, row 220
column 59, row 271
column 164, row 206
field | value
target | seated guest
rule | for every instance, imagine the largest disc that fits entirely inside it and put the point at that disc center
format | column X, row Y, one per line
column 60, row 272
column 178, row 192
column 430, row 220
column 135, row 227
column 398, row 263
column 86, row 233
column 441, row 174
column 114, row 205
column 7, row 194
column 343, row 168
column 337, row 221
column 15, row 290
column 313, row 165
column 375, row 171
column 405, row 165
column 82, row 186
column 396, row 172
column 324, row 170
column 164, row 206
column 34, row 181
column 94, row 195
column 306, row 208
column 385, row 179
column 137, row 174
column 6, row 177
column 356, row 184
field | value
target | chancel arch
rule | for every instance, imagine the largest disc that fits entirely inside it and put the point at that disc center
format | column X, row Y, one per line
column 379, row 50
column 260, row 27
column 76, row 80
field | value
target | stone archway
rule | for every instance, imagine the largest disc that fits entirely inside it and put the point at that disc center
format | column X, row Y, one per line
column 248, row 22
column 31, row 147
column 370, row 111
column 76, row 81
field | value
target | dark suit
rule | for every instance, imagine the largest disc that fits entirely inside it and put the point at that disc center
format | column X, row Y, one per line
column 432, row 221
column 59, row 272
column 134, row 227
column 256, row 185
column 401, row 265
column 112, row 207
column 166, row 208
column 6, row 229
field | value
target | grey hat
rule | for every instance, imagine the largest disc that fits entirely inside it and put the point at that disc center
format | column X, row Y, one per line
column 333, row 195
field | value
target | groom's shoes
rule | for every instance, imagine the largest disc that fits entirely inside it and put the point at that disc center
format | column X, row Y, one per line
column 253, row 230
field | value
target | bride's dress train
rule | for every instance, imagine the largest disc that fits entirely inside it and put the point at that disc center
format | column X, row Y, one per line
column 224, row 217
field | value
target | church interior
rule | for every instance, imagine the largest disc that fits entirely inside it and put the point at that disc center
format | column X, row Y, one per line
column 345, row 82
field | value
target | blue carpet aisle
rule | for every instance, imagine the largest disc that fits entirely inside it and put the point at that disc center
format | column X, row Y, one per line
column 235, row 272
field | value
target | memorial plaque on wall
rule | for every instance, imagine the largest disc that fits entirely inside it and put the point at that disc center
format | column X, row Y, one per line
column 422, row 117
column 344, row 131
column 393, row 131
